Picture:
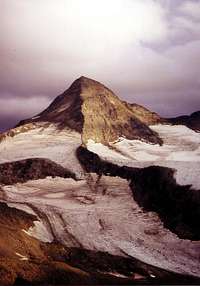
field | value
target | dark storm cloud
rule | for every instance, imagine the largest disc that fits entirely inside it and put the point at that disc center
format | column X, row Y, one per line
column 147, row 51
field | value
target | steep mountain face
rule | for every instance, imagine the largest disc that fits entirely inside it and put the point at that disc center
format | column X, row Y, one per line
column 145, row 115
column 95, row 111
column 192, row 121
column 106, row 118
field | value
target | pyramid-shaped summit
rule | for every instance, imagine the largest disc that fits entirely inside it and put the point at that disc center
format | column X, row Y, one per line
column 95, row 111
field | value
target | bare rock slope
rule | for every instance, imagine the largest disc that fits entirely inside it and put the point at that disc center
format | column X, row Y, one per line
column 92, row 109
column 145, row 115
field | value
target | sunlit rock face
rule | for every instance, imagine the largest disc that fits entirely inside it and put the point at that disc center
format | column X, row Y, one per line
column 145, row 115
column 106, row 117
column 91, row 108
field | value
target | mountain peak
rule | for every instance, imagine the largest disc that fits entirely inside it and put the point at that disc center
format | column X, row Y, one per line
column 84, row 78
column 92, row 109
column 88, row 83
column 81, row 80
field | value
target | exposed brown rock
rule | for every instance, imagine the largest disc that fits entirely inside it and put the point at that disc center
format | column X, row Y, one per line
column 91, row 108
column 106, row 117
column 145, row 115
column 13, row 240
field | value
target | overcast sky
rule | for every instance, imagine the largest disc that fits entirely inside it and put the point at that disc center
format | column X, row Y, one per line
column 146, row 51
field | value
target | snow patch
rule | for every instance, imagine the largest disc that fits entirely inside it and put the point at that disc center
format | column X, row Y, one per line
column 39, row 231
column 115, row 274
column 21, row 257
column 35, row 117
column 51, row 143
column 104, row 151
column 181, row 151
column 55, row 195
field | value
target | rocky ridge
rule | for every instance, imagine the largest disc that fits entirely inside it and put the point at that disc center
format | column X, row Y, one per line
column 145, row 115
column 95, row 111
column 192, row 121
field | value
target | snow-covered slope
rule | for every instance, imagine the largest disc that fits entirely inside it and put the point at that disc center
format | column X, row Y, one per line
column 51, row 143
column 99, row 214
column 181, row 150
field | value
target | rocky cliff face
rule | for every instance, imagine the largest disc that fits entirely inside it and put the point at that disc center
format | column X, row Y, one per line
column 144, row 115
column 106, row 117
column 95, row 111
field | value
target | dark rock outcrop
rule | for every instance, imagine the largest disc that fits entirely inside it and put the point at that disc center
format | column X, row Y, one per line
column 31, row 169
column 192, row 121
column 155, row 189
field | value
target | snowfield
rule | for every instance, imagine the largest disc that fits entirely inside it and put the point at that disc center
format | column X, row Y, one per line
column 99, row 213
column 104, row 218
column 181, row 151
column 58, row 146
